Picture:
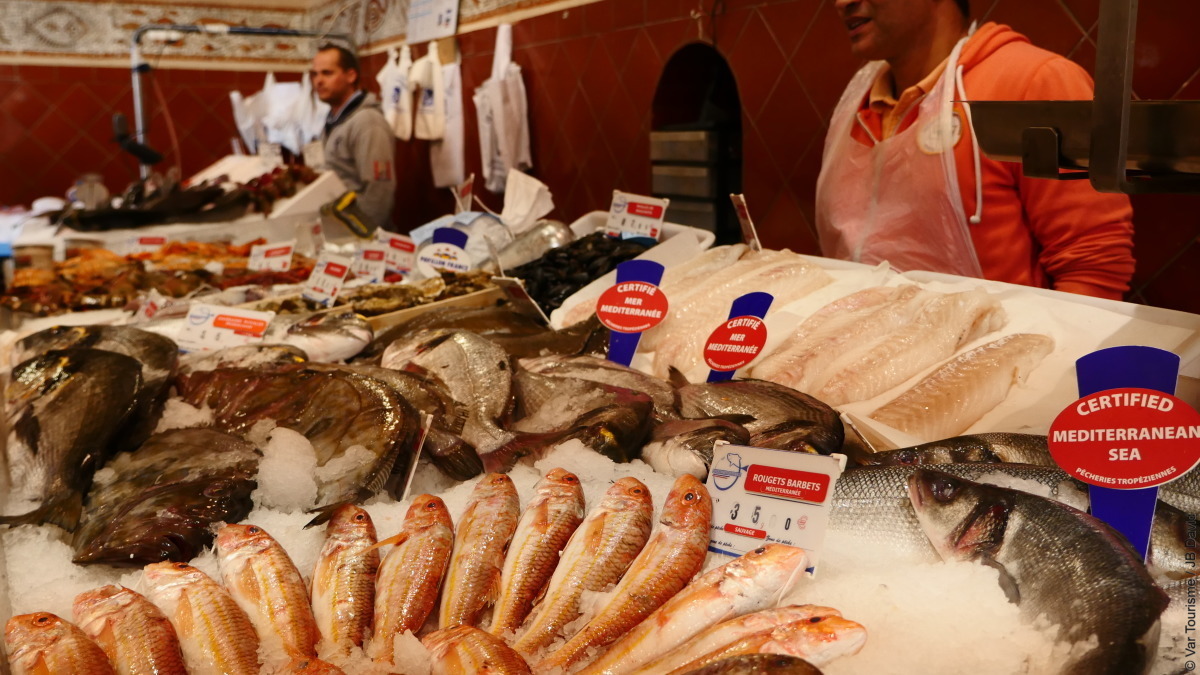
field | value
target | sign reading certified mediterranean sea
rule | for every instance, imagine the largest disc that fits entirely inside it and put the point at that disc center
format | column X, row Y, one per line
column 631, row 307
column 735, row 343
column 211, row 327
column 1126, row 438
column 762, row 496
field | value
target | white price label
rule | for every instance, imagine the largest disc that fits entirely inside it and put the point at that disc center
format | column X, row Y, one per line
column 636, row 216
column 762, row 496
column 370, row 262
column 145, row 244
column 749, row 233
column 326, row 280
column 401, row 254
column 275, row 256
column 210, row 327
column 151, row 304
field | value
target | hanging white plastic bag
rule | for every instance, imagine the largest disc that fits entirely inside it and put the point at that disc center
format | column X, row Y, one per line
column 447, row 155
column 403, row 127
column 502, row 113
column 426, row 78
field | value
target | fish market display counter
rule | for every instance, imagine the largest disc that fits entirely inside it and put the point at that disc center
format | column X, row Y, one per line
column 575, row 443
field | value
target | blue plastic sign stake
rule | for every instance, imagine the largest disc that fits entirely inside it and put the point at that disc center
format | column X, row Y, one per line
column 622, row 346
column 1130, row 512
column 753, row 304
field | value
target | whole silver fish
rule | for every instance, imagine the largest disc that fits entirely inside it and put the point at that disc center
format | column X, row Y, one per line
column 65, row 408
column 770, row 404
column 989, row 448
column 329, row 336
column 533, row 243
column 1184, row 492
column 596, row 369
column 677, row 447
column 243, row 356
column 478, row 374
column 1054, row 562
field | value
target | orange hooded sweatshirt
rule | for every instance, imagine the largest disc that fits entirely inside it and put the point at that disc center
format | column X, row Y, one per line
column 1053, row 234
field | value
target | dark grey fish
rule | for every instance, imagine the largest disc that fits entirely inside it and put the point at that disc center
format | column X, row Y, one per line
column 64, row 409
column 1054, row 562
column 159, row 502
column 483, row 321
column 769, row 403
column 758, row 664
column 1184, row 492
column 596, row 369
column 158, row 356
column 677, row 447
column 989, row 448
column 791, row 435
column 243, row 356
column 1173, row 543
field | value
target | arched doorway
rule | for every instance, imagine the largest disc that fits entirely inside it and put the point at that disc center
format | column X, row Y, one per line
column 696, row 140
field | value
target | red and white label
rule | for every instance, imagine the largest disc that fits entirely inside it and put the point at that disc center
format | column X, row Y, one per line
column 146, row 244
column 735, row 343
column 745, row 531
column 636, row 215
column 326, row 280
column 773, row 481
column 632, row 307
column 370, row 262
column 241, row 324
column 749, row 233
column 1126, row 438
column 275, row 256
column 401, row 253
column 210, row 327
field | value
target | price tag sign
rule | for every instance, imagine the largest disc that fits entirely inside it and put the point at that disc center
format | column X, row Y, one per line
column 150, row 306
column 370, row 262
column 735, row 343
column 274, row 256
column 447, row 251
column 632, row 305
column 514, row 290
column 326, row 280
column 765, row 496
column 463, row 194
column 749, row 233
column 145, row 244
column 401, row 256
column 210, row 327
column 636, row 216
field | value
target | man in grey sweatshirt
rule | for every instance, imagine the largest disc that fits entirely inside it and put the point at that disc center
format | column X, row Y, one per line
column 359, row 143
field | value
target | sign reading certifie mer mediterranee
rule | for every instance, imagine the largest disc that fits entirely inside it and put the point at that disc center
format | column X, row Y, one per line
column 631, row 307
column 1126, row 438
column 764, row 496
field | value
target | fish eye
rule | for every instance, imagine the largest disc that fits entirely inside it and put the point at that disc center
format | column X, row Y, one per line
column 359, row 517
column 570, row 479
column 432, row 506
column 760, row 550
column 253, row 529
column 689, row 497
column 943, row 489
column 636, row 491
column 181, row 566
column 42, row 620
column 816, row 619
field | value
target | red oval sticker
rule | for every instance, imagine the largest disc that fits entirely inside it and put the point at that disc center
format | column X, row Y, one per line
column 631, row 307
column 735, row 343
column 1126, row 438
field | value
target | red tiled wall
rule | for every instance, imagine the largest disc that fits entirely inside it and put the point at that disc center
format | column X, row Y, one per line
column 591, row 73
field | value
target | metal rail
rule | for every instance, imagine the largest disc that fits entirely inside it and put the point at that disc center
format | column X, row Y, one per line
column 139, row 66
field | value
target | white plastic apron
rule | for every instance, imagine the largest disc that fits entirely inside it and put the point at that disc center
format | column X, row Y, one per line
column 897, row 200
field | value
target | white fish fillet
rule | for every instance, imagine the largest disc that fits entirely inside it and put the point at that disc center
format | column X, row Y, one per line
column 952, row 398
column 691, row 320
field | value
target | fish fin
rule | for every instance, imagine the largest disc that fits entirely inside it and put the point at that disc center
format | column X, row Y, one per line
column 64, row 512
column 324, row 514
column 493, row 589
column 395, row 540
column 1008, row 583
column 736, row 418
column 677, row 378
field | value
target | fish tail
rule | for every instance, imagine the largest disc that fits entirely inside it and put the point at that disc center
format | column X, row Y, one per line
column 64, row 512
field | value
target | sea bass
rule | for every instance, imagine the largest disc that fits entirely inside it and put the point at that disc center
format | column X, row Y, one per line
column 1093, row 586
column 677, row 447
column 267, row 586
column 550, row 519
column 728, row 632
column 64, row 409
column 745, row 584
column 137, row 637
column 406, row 589
column 770, row 404
column 42, row 643
column 329, row 336
column 595, row 369
column 466, row 649
column 986, row 447
column 818, row 640
column 598, row 553
column 343, row 583
column 674, row 554
column 952, row 398
column 484, row 531
column 158, row 502
column 216, row 636
column 758, row 664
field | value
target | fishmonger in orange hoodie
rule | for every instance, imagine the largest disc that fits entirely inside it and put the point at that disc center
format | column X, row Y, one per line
column 891, row 189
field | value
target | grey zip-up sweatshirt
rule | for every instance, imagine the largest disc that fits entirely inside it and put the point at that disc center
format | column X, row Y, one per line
column 360, row 149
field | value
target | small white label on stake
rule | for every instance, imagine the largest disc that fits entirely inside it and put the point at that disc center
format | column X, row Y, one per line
column 210, row 327
column 275, row 256
column 636, row 216
column 327, row 276
column 145, row 244
column 762, row 496
column 749, row 233
column 370, row 262
column 401, row 256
